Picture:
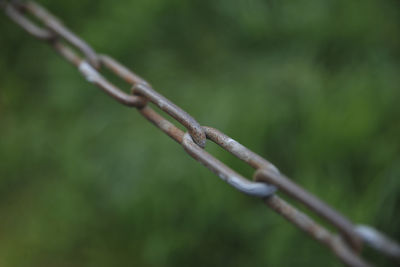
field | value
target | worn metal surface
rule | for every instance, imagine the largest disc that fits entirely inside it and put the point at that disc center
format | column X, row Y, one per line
column 318, row 206
column 53, row 28
column 120, row 70
column 62, row 32
column 268, row 179
column 379, row 241
column 225, row 173
column 270, row 174
column 93, row 76
column 316, row 231
column 194, row 128
column 19, row 18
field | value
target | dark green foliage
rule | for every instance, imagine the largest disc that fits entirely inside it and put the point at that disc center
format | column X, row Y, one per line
column 312, row 86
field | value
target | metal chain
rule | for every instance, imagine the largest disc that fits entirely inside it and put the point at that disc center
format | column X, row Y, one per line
column 267, row 178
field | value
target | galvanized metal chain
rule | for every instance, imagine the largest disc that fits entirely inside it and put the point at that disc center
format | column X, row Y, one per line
column 267, row 178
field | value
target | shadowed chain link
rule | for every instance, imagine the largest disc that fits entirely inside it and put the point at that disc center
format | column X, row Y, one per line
column 268, row 179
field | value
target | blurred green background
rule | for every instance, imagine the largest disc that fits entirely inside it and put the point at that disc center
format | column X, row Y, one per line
column 313, row 86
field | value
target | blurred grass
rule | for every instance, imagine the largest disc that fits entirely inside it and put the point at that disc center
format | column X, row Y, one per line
column 311, row 85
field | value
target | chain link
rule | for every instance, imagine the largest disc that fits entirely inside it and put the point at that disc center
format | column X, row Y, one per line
column 267, row 178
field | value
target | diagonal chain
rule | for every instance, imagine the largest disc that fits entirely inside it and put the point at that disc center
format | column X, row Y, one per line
column 267, row 178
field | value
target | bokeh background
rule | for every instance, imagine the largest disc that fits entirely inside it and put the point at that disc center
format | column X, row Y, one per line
column 313, row 86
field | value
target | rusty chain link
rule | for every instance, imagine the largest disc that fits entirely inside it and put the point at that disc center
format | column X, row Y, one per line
column 267, row 178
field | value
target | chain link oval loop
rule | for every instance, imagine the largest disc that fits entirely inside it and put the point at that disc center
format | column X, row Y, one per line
column 15, row 13
column 194, row 128
column 268, row 173
column 236, row 180
column 54, row 29
column 93, row 76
